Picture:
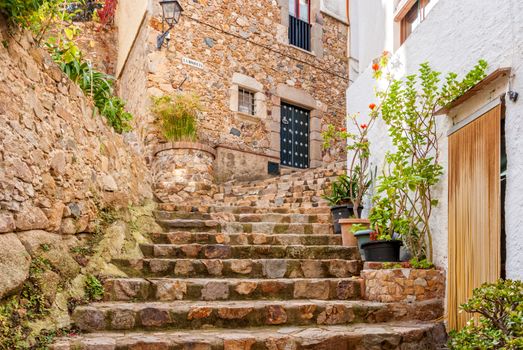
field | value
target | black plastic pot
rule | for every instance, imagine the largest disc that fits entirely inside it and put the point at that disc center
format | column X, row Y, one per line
column 388, row 251
column 342, row 212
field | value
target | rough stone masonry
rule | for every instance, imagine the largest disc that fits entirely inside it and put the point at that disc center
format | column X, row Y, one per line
column 59, row 161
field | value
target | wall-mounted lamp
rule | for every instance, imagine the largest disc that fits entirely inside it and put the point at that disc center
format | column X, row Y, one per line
column 171, row 11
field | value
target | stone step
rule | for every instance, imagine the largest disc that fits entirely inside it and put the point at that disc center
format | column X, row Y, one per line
column 111, row 316
column 245, row 227
column 240, row 209
column 277, row 228
column 298, row 201
column 191, row 225
column 288, row 218
column 224, row 251
column 184, row 237
column 392, row 336
column 171, row 289
column 240, row 268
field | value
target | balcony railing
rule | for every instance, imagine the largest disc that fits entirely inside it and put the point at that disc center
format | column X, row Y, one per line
column 299, row 33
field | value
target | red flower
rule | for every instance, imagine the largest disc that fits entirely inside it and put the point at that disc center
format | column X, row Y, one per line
column 374, row 236
column 375, row 67
column 372, row 106
column 363, row 126
column 343, row 129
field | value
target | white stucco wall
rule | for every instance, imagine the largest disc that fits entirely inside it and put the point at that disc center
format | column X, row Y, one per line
column 454, row 36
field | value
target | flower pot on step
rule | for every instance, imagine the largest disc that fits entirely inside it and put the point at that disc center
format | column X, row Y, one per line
column 347, row 237
column 342, row 212
column 388, row 251
column 363, row 236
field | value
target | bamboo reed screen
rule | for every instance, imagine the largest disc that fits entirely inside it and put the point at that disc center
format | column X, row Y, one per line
column 474, row 211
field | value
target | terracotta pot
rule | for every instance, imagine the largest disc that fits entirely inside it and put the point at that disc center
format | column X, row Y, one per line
column 347, row 237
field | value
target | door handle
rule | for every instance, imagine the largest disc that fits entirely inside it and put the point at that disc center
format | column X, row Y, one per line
column 285, row 121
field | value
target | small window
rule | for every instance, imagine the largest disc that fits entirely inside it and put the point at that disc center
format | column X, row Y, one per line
column 415, row 15
column 246, row 101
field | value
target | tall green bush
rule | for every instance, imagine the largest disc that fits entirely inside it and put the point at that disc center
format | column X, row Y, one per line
column 405, row 199
column 178, row 116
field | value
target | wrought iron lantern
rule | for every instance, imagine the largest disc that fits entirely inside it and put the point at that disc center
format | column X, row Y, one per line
column 171, row 12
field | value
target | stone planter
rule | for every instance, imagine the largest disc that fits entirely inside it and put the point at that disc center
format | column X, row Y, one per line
column 402, row 284
column 182, row 171
column 347, row 237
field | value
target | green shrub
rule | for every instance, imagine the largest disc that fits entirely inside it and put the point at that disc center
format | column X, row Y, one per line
column 94, row 290
column 178, row 116
column 500, row 325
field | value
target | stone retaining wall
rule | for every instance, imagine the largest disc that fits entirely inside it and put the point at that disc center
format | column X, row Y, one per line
column 60, row 162
column 403, row 284
column 183, row 170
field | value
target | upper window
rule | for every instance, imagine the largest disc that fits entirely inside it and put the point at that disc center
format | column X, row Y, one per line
column 414, row 16
column 299, row 24
column 300, row 9
column 246, row 101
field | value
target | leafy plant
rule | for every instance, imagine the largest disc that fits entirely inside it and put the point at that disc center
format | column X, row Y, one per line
column 98, row 85
column 340, row 191
column 107, row 13
column 178, row 116
column 415, row 263
column 404, row 200
column 500, row 324
column 358, row 227
column 94, row 289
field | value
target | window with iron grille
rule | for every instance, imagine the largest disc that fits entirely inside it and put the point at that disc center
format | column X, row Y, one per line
column 299, row 24
column 246, row 101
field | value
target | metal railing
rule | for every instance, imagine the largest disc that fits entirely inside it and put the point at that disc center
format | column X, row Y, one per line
column 299, row 33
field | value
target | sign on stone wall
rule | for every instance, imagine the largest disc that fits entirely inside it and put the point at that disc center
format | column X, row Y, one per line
column 193, row 63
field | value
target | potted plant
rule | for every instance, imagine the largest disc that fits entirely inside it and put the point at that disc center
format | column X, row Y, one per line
column 340, row 201
column 182, row 165
column 387, row 223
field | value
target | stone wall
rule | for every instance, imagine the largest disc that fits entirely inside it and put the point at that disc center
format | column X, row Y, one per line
column 182, row 171
column 60, row 163
column 402, row 284
column 240, row 44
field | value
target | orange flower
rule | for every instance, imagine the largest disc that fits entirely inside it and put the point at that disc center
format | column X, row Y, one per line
column 372, row 106
column 343, row 129
column 385, row 53
column 363, row 126
column 375, row 67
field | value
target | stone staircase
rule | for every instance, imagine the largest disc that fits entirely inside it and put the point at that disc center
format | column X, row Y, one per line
column 250, row 273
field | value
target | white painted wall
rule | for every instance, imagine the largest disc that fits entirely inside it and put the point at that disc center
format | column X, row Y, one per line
column 129, row 17
column 454, row 36
column 369, row 36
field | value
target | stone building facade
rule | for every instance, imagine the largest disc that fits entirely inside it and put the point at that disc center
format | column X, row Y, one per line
column 229, row 52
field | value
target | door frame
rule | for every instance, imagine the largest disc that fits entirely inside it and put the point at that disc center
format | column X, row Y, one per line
column 299, row 98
